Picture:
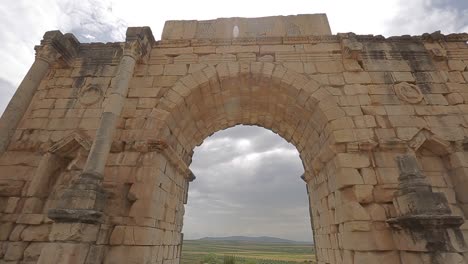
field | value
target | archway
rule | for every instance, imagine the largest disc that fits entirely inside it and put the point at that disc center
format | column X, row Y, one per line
column 247, row 188
column 266, row 95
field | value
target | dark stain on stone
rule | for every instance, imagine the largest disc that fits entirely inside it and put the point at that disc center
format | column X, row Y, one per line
column 422, row 77
column 388, row 78
column 79, row 82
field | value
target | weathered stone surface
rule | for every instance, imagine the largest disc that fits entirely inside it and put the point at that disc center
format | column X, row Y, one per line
column 36, row 233
column 97, row 170
column 5, row 230
column 33, row 251
column 14, row 251
column 63, row 253
column 10, row 188
column 74, row 232
column 383, row 258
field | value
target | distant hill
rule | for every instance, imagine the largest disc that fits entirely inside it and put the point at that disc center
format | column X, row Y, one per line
column 262, row 239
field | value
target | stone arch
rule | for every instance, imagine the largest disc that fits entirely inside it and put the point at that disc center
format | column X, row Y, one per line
column 257, row 93
column 296, row 107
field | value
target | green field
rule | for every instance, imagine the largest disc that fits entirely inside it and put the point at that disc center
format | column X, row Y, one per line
column 198, row 251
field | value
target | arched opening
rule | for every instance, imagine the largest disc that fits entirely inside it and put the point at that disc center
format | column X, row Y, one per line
column 248, row 187
column 268, row 95
column 214, row 98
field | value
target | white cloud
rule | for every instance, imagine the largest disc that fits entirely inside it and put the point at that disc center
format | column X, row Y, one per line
column 253, row 190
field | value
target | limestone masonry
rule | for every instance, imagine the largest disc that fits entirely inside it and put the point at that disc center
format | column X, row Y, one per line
column 95, row 144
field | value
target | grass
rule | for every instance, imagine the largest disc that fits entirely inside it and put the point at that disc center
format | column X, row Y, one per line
column 214, row 252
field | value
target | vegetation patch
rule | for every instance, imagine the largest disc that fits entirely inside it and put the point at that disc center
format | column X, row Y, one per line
column 241, row 252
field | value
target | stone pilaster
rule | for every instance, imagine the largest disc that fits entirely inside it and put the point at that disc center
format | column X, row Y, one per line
column 55, row 47
column 424, row 215
column 84, row 200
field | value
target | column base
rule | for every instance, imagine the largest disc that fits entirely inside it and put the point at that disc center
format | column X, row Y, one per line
column 426, row 222
column 83, row 202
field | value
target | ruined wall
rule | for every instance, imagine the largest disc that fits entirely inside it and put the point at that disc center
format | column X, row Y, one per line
column 97, row 141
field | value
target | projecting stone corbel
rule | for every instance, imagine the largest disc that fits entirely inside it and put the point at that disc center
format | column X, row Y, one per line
column 432, row 142
column 70, row 143
column 59, row 48
column 172, row 157
column 352, row 49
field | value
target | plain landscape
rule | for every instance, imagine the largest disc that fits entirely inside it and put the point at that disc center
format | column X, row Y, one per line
column 246, row 250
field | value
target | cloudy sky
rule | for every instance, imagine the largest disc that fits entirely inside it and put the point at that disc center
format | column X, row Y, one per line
column 245, row 172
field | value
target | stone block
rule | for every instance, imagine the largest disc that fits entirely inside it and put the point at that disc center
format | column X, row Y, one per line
column 351, row 211
column 175, row 69
column 79, row 232
column 33, row 251
column 345, row 177
column 456, row 65
column 165, row 81
column 368, row 241
column 295, row 66
column 155, row 69
column 352, row 160
column 357, row 226
column 11, row 205
column 117, row 235
column 16, row 233
column 132, row 254
column 391, row 257
column 63, row 253
column 5, row 230
column 405, row 241
column 10, row 188
column 32, row 205
column 96, row 254
column 30, row 219
column 143, row 92
column 364, row 193
column 454, row 98
column 329, row 67
column 377, row 212
column 383, row 195
column 403, row 77
column 15, row 250
column 36, row 233
column 357, row 77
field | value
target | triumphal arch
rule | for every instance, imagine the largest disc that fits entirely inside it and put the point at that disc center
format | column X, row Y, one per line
column 95, row 144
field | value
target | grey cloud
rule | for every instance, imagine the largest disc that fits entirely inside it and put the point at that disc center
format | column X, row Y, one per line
column 454, row 4
column 252, row 191
column 419, row 16
column 92, row 21
column 23, row 26
column 261, row 140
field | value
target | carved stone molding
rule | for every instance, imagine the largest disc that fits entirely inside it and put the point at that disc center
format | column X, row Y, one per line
column 133, row 49
column 438, row 54
column 351, row 47
column 172, row 157
column 69, row 144
column 90, row 95
column 139, row 42
column 47, row 53
column 408, row 92
column 432, row 142
column 57, row 47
